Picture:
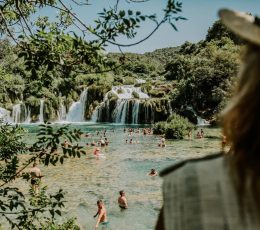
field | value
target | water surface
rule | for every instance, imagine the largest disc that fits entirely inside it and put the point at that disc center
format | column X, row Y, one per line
column 123, row 167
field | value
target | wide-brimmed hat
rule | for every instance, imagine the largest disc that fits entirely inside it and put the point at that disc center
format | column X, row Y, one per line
column 243, row 24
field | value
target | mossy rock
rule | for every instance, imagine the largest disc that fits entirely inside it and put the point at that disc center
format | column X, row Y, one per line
column 135, row 95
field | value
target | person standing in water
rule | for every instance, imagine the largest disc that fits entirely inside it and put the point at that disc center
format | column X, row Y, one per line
column 36, row 175
column 122, row 202
column 102, row 214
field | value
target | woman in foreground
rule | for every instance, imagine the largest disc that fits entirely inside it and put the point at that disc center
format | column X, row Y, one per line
column 223, row 191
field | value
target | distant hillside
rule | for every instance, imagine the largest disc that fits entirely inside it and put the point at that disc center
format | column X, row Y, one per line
column 163, row 56
column 150, row 64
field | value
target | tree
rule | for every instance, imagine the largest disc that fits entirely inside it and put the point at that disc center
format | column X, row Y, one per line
column 219, row 30
column 47, row 44
column 19, row 211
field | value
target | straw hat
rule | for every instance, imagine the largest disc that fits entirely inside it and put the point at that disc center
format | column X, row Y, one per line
column 243, row 24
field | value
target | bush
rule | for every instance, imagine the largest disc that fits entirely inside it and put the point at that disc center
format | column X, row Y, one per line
column 156, row 93
column 176, row 127
column 160, row 127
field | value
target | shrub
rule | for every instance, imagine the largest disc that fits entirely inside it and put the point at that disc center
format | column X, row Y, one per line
column 160, row 127
column 176, row 127
column 156, row 93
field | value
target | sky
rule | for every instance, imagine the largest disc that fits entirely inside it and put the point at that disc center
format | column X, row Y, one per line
column 201, row 14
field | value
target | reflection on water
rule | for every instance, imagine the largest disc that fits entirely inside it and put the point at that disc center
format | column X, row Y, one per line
column 125, row 166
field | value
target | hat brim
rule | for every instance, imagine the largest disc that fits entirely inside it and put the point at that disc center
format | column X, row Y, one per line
column 241, row 24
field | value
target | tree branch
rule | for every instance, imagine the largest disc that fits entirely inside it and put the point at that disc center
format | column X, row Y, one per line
column 6, row 26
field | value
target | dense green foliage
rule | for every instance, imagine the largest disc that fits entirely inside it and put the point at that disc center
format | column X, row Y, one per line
column 26, row 212
column 195, row 75
column 176, row 127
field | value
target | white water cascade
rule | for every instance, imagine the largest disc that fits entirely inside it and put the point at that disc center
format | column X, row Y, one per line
column 202, row 122
column 62, row 113
column 135, row 112
column 28, row 115
column 41, row 116
column 16, row 113
column 5, row 115
column 128, row 100
column 77, row 109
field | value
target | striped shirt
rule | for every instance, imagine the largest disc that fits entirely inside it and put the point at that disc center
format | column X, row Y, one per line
column 199, row 195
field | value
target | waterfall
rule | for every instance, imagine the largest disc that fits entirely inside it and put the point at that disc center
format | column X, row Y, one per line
column 118, row 111
column 77, row 109
column 124, row 112
column 41, row 117
column 135, row 112
column 128, row 101
column 95, row 115
column 16, row 113
column 28, row 115
column 201, row 121
column 62, row 112
column 5, row 115
column 128, row 92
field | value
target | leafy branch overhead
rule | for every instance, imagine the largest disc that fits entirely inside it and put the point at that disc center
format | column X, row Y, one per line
column 69, row 42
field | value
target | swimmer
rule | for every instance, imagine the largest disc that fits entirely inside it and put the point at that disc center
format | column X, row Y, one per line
column 93, row 143
column 122, row 202
column 102, row 214
column 106, row 141
column 102, row 143
column 153, row 173
column 199, row 135
column 96, row 151
column 66, row 144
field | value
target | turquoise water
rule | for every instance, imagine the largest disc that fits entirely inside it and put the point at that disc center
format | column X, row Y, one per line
column 124, row 166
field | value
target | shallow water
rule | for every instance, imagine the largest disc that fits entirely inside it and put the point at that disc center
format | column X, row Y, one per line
column 123, row 167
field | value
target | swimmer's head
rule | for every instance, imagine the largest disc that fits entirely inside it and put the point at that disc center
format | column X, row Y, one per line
column 121, row 192
column 99, row 203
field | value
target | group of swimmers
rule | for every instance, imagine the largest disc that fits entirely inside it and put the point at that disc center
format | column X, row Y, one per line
column 102, row 212
column 122, row 203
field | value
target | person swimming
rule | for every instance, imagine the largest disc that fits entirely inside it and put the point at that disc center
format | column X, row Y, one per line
column 122, row 202
column 102, row 214
column 153, row 173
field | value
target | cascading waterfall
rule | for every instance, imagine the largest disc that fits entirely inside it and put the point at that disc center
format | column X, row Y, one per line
column 124, row 111
column 77, row 109
column 16, row 113
column 61, row 112
column 201, row 121
column 128, row 101
column 41, row 116
column 5, row 115
column 28, row 115
column 135, row 112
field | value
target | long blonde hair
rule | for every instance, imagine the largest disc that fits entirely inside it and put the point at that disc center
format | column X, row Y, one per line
column 241, row 125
